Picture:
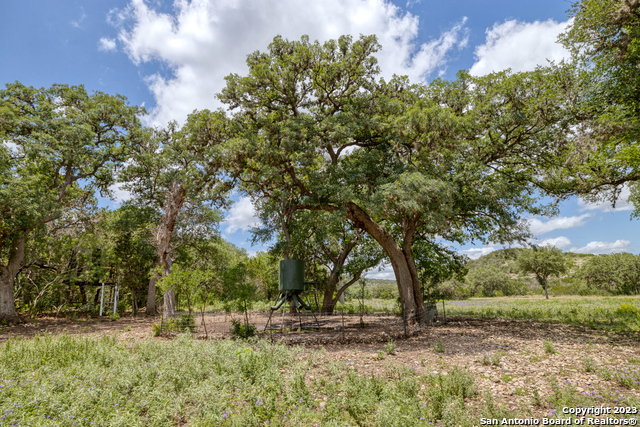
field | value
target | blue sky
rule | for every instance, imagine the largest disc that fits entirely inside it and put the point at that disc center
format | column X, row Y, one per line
column 171, row 57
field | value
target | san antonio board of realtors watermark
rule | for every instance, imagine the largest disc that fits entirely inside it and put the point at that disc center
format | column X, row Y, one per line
column 591, row 415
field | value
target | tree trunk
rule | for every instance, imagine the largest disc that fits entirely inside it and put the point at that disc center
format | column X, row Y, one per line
column 8, row 275
column 163, row 235
column 546, row 294
column 169, row 306
column 83, row 295
column 402, row 263
column 328, row 301
column 151, row 295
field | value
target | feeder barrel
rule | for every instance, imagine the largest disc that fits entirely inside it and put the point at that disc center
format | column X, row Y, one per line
column 292, row 275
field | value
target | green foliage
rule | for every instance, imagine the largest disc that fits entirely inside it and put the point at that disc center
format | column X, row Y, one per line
column 615, row 273
column 490, row 281
column 628, row 311
column 436, row 264
column 381, row 289
column 263, row 271
column 548, row 347
column 543, row 262
column 390, row 347
column 237, row 291
column 626, row 375
column 604, row 40
column 491, row 359
column 193, row 285
column 231, row 382
column 66, row 144
column 156, row 329
column 407, row 163
column 183, row 323
column 438, row 346
column 594, row 312
column 588, row 365
column 241, row 330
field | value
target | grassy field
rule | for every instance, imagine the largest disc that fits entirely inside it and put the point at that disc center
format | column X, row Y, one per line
column 621, row 314
column 453, row 375
column 83, row 381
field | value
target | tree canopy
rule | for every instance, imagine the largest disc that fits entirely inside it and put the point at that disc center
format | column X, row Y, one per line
column 543, row 262
column 449, row 160
column 60, row 145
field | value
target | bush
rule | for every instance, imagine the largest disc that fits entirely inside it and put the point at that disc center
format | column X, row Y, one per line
column 241, row 330
column 492, row 281
column 90, row 308
column 628, row 311
column 390, row 347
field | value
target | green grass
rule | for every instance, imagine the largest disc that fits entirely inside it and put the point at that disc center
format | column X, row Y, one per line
column 619, row 314
column 74, row 380
column 70, row 380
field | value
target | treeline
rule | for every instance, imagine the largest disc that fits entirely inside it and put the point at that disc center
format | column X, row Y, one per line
column 503, row 273
column 68, row 261
column 345, row 168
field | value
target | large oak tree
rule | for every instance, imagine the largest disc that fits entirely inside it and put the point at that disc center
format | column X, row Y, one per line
column 178, row 172
column 450, row 160
column 57, row 145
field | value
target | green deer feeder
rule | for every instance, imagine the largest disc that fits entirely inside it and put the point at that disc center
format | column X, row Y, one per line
column 292, row 284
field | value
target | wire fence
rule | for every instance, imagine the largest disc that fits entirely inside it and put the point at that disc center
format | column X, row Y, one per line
column 340, row 323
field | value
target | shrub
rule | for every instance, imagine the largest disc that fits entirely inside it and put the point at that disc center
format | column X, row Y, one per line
column 438, row 347
column 241, row 330
column 548, row 347
column 390, row 347
column 156, row 328
column 628, row 311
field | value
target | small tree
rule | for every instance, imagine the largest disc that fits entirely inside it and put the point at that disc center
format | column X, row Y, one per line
column 544, row 262
column 238, row 291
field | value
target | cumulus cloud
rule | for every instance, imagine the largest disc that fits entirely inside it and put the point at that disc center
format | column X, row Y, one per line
column 622, row 204
column 475, row 253
column 106, row 44
column 384, row 272
column 242, row 216
column 202, row 41
column 537, row 226
column 561, row 242
column 520, row 46
column 119, row 194
column 603, row 247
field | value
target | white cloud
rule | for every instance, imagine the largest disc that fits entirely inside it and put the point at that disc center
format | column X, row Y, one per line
column 11, row 146
column 78, row 23
column 520, row 46
column 242, row 216
column 622, row 204
column 561, row 242
column 202, row 41
column 383, row 272
column 603, row 247
column 475, row 253
column 106, row 44
column 537, row 226
column 119, row 194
